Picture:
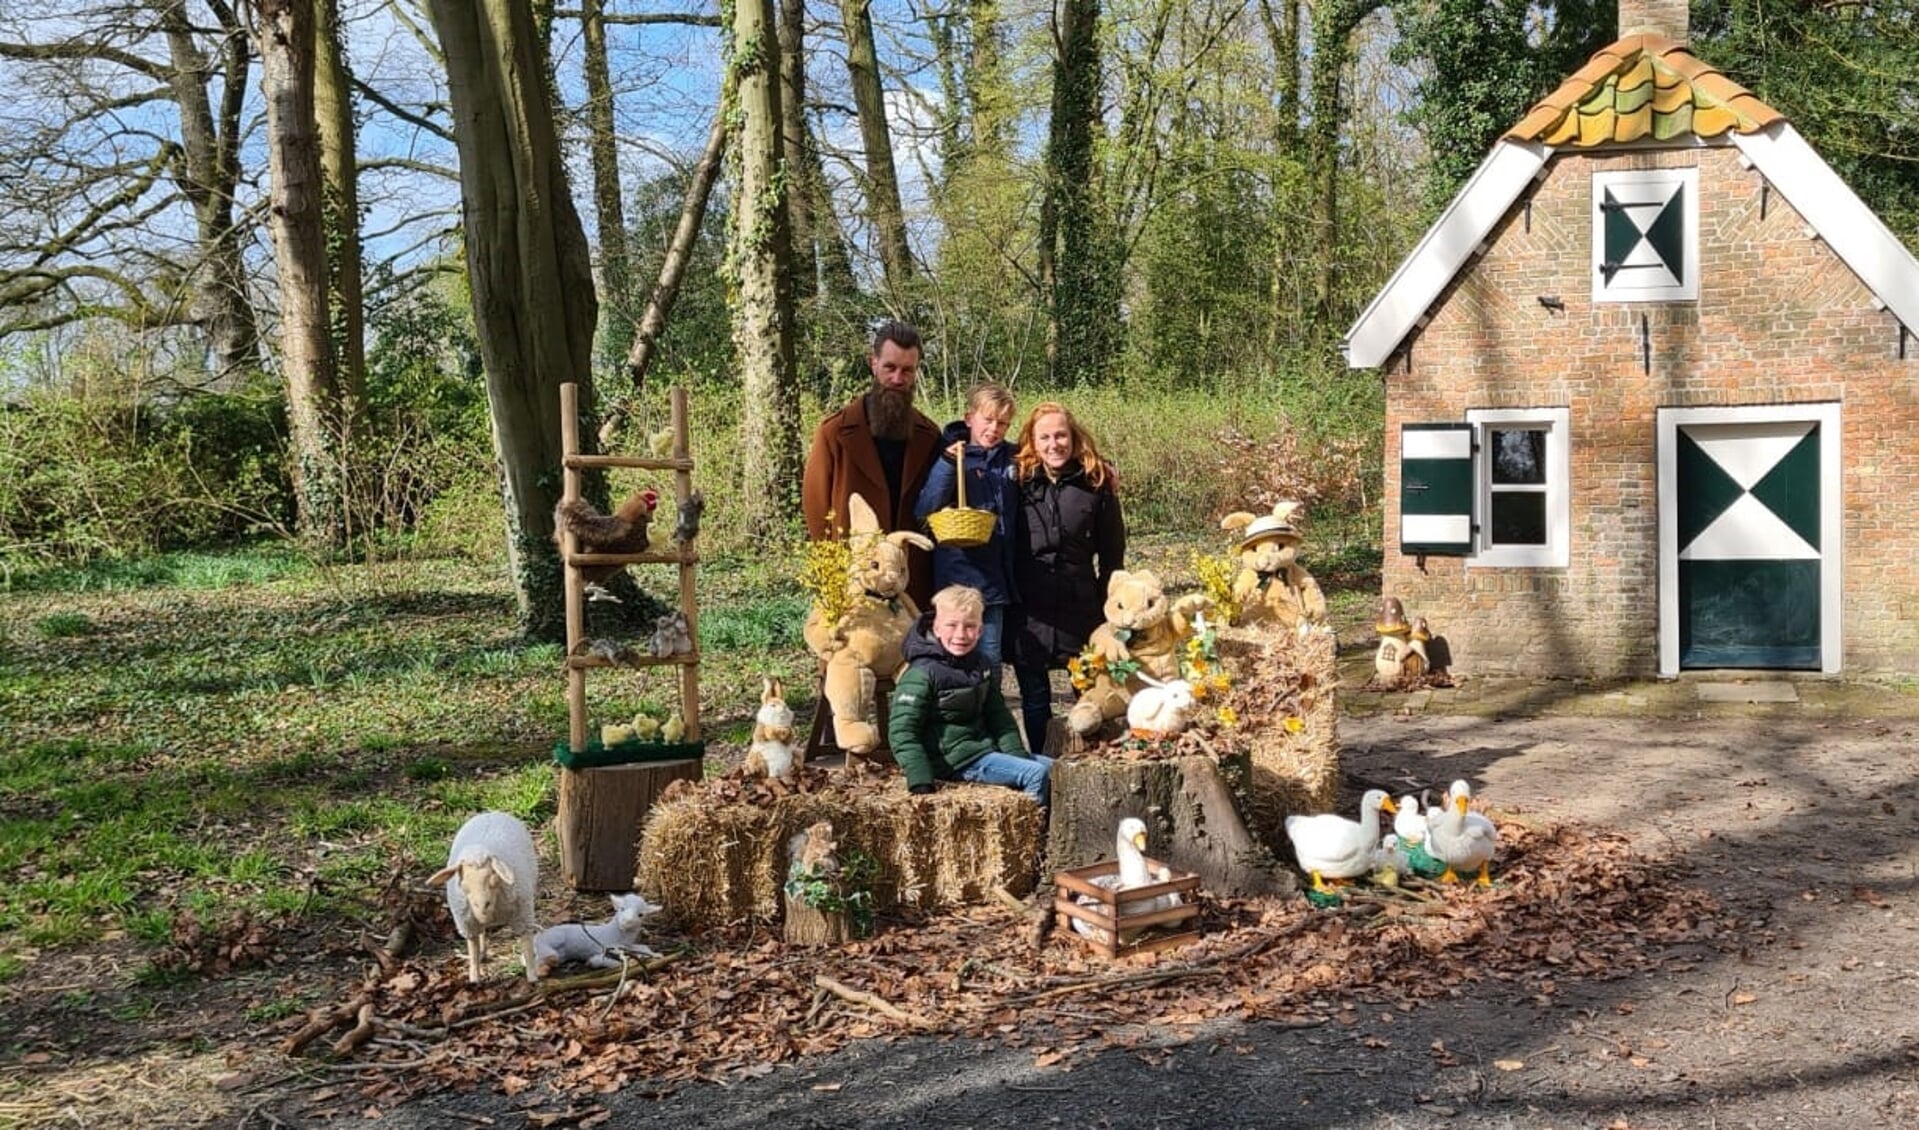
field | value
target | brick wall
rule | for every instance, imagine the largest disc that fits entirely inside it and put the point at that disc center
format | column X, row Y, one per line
column 1779, row 320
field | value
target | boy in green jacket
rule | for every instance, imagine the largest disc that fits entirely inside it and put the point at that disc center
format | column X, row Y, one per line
column 949, row 719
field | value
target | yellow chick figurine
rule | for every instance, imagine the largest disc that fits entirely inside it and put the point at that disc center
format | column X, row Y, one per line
column 612, row 734
column 644, row 728
column 674, row 729
column 660, row 443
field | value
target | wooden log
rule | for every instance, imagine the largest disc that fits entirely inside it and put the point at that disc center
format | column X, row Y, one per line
column 805, row 926
column 1193, row 818
column 601, row 811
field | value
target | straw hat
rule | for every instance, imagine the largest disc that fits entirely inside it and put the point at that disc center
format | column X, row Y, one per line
column 1282, row 524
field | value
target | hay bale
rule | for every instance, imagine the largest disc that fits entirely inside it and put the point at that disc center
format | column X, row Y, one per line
column 711, row 859
column 1282, row 675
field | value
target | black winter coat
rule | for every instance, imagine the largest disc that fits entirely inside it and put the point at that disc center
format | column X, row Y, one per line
column 1071, row 538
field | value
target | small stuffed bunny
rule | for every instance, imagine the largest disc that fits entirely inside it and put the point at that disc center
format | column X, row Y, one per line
column 771, row 753
column 1160, row 710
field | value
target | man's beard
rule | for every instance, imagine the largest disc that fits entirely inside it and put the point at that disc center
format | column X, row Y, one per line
column 890, row 412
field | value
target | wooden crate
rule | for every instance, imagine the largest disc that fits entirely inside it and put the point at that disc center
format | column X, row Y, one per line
column 1108, row 913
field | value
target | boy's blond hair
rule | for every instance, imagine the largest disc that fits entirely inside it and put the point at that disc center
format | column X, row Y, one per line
column 961, row 599
column 990, row 395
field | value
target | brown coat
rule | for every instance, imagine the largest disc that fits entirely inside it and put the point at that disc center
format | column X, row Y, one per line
column 844, row 462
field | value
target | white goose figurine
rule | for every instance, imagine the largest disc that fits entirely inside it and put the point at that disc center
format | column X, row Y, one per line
column 1461, row 839
column 1409, row 823
column 1130, row 847
column 1329, row 846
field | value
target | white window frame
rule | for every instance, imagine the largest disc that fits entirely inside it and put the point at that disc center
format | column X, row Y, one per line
column 1557, row 424
column 1635, row 183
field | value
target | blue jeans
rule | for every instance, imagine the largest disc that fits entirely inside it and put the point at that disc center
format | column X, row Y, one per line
column 1033, row 774
column 1035, row 702
column 991, row 623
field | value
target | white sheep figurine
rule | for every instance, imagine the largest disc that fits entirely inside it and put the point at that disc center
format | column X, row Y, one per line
column 491, row 876
column 595, row 943
column 1160, row 709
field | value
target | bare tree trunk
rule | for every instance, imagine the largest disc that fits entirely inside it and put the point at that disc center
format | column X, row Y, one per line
column 211, row 147
column 1085, row 297
column 333, row 111
column 530, row 272
column 800, row 197
column 1282, row 36
column 616, row 270
column 659, row 305
column 882, row 181
column 1333, row 24
column 763, row 310
column 287, row 31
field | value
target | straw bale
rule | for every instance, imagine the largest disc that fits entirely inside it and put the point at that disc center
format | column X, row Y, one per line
column 1280, row 675
column 711, row 860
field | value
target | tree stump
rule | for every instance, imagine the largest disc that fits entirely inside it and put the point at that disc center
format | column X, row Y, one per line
column 600, row 814
column 1192, row 813
column 805, row 926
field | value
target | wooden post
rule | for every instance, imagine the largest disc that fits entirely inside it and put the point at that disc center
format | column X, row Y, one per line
column 569, row 548
column 600, row 814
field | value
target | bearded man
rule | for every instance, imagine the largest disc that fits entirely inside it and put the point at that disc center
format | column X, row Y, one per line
column 879, row 447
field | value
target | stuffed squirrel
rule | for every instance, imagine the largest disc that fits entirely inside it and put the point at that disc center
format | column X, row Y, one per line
column 623, row 531
column 1271, row 586
column 864, row 645
column 1141, row 625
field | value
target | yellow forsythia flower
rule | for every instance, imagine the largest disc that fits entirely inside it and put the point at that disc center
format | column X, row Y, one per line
column 1228, row 716
column 1295, row 725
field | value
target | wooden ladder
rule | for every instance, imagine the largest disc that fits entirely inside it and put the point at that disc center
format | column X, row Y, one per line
column 601, row 809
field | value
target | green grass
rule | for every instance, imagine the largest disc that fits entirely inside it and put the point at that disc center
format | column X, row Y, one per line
column 207, row 734
column 185, row 570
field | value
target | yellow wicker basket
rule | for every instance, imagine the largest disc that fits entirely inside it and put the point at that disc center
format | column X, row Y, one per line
column 960, row 526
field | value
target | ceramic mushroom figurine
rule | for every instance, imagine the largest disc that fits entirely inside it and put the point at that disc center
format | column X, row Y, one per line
column 1401, row 658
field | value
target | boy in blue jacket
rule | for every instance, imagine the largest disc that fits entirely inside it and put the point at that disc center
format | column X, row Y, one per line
column 979, row 439
column 949, row 718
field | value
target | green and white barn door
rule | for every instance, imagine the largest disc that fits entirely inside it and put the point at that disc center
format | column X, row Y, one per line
column 1745, row 538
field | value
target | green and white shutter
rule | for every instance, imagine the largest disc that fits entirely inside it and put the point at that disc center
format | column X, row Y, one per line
column 1436, row 489
column 1645, row 245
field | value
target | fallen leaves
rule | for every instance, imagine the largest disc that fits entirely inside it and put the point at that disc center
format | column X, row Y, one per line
column 1572, row 901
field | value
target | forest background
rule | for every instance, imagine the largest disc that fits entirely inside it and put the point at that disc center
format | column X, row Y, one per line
column 312, row 270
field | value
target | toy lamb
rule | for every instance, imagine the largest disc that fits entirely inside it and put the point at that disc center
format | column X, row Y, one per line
column 491, row 876
column 595, row 943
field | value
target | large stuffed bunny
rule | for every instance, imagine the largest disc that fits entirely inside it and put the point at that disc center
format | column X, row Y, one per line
column 1142, row 626
column 863, row 646
column 1271, row 586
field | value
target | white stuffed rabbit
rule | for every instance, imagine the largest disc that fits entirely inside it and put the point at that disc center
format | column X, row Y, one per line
column 1160, row 709
column 771, row 753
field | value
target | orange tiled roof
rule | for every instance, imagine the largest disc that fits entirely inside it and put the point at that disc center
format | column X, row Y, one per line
column 1644, row 86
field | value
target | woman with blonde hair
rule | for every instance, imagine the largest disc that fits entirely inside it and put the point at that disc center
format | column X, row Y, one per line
column 1071, row 537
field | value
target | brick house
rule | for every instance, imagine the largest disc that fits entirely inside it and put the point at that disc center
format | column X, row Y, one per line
column 1652, row 391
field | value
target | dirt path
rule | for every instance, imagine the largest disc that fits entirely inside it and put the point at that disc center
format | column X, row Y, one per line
column 1806, row 830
